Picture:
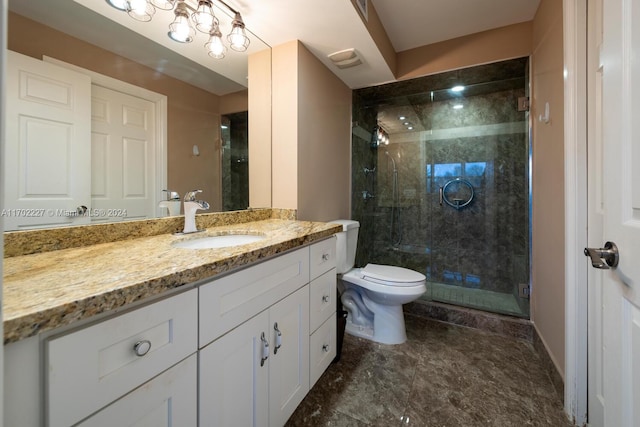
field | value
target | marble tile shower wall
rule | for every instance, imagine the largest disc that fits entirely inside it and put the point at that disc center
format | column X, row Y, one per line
column 483, row 245
column 235, row 163
column 364, row 159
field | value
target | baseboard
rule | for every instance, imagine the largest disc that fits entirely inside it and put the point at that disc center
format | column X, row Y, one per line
column 549, row 364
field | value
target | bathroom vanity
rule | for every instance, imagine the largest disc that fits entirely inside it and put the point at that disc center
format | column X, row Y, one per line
column 236, row 336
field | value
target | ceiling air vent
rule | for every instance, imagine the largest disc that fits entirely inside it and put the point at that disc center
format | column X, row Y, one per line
column 345, row 58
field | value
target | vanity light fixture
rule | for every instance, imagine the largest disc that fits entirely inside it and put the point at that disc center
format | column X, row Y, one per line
column 379, row 137
column 458, row 88
column 189, row 19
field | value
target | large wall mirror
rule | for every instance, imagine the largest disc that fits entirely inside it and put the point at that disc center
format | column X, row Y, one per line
column 189, row 113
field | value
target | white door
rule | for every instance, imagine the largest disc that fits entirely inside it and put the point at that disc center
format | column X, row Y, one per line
column 620, row 292
column 47, row 159
column 122, row 156
column 595, row 213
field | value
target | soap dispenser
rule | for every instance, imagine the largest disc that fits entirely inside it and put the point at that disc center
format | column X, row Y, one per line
column 172, row 203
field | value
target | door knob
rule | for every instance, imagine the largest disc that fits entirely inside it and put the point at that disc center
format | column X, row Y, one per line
column 603, row 257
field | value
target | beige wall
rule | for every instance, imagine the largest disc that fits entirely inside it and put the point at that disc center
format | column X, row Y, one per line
column 513, row 41
column 234, row 102
column 260, row 129
column 324, row 148
column 548, row 296
column 311, row 136
column 193, row 114
column 284, row 142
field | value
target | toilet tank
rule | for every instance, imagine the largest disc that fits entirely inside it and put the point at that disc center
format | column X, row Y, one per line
column 346, row 244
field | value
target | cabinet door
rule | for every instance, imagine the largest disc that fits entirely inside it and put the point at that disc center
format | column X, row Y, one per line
column 167, row 400
column 289, row 360
column 233, row 384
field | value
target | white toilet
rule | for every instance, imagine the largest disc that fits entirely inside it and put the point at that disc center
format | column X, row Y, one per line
column 373, row 295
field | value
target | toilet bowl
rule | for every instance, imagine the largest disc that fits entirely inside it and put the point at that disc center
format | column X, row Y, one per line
column 373, row 295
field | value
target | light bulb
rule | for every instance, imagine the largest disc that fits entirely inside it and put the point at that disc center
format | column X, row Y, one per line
column 237, row 38
column 215, row 46
column 204, row 17
column 181, row 29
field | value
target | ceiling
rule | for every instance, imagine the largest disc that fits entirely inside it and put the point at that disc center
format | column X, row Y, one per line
column 327, row 26
column 323, row 26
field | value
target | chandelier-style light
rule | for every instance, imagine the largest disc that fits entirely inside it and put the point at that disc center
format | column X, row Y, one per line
column 188, row 20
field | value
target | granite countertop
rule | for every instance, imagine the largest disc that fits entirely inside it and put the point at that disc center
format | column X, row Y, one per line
column 47, row 290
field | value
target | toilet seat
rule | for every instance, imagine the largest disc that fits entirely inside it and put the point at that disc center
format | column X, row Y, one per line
column 406, row 282
column 391, row 276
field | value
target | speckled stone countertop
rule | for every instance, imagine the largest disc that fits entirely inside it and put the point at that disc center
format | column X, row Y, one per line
column 47, row 290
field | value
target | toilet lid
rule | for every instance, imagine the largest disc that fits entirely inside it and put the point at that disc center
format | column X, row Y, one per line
column 388, row 273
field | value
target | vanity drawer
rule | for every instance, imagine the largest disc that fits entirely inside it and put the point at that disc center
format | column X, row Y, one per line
column 170, row 399
column 323, row 257
column 322, row 349
column 227, row 302
column 90, row 368
column 322, row 299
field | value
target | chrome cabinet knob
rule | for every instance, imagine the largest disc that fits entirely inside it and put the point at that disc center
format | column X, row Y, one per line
column 142, row 347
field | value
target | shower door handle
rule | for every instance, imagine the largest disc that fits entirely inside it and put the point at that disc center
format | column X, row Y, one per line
column 441, row 191
column 603, row 257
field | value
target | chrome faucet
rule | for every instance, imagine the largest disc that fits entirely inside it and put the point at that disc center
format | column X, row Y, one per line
column 191, row 205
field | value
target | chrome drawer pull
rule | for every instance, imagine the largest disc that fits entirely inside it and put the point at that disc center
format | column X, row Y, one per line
column 325, row 298
column 141, row 348
column 278, row 338
column 326, row 348
column 325, row 257
column 265, row 349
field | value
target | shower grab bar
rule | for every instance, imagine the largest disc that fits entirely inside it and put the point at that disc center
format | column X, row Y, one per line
column 456, row 203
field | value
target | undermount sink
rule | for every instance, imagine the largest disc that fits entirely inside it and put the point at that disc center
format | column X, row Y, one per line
column 222, row 241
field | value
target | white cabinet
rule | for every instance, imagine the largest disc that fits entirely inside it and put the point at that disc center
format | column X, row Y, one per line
column 258, row 373
column 92, row 367
column 265, row 331
column 194, row 358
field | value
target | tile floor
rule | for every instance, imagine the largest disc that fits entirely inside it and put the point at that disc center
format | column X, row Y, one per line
column 444, row 375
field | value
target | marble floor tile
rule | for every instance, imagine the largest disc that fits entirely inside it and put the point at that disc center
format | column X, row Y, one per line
column 444, row 375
